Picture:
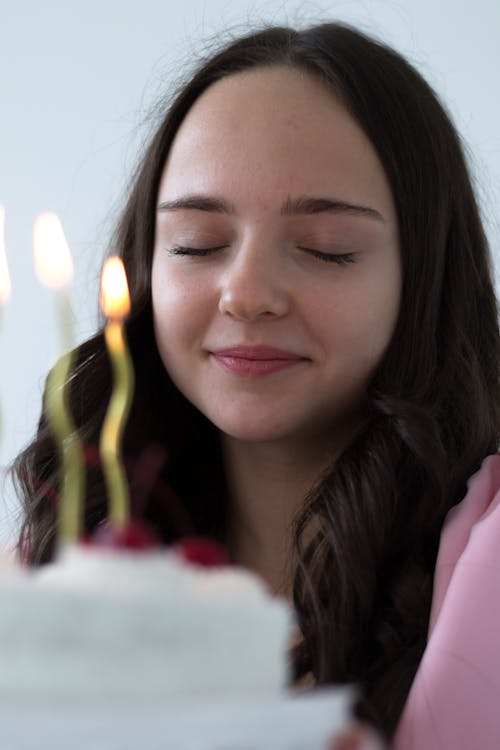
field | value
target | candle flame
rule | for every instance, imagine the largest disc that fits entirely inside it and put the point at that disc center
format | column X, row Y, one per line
column 115, row 298
column 53, row 263
column 4, row 271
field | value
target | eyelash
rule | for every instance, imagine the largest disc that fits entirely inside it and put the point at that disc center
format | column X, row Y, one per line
column 198, row 251
column 340, row 259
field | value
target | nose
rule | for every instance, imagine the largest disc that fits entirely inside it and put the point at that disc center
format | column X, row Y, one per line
column 253, row 284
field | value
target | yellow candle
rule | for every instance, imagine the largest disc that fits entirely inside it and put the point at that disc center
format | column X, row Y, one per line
column 54, row 268
column 4, row 271
column 115, row 302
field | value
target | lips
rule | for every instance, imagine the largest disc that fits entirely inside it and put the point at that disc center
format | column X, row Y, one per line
column 254, row 361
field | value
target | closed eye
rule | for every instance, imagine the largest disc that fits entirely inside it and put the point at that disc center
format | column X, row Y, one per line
column 338, row 258
column 197, row 251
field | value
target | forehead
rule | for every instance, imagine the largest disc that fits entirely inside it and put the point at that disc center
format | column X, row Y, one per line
column 273, row 130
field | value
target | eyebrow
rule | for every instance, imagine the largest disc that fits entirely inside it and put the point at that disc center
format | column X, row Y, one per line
column 198, row 203
column 311, row 205
column 304, row 205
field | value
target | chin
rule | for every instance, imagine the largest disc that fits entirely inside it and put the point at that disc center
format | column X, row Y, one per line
column 254, row 433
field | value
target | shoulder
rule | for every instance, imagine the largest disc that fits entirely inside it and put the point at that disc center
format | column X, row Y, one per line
column 469, row 531
column 455, row 696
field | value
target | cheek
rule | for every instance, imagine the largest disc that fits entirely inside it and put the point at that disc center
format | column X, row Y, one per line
column 180, row 312
column 358, row 326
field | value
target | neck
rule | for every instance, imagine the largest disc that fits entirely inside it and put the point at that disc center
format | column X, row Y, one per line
column 267, row 484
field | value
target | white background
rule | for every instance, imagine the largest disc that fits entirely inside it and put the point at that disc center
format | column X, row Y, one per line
column 78, row 81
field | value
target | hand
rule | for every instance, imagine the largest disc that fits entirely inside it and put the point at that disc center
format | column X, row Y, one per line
column 357, row 737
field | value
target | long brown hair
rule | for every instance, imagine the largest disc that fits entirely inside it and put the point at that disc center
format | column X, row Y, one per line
column 366, row 539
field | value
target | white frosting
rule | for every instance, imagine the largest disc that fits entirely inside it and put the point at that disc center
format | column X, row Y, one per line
column 145, row 624
column 148, row 574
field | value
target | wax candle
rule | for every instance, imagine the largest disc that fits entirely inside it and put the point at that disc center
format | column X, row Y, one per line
column 54, row 268
column 115, row 303
column 4, row 273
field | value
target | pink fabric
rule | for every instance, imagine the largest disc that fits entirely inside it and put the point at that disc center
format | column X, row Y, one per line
column 454, row 702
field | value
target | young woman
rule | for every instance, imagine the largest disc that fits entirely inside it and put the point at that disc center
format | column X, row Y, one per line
column 315, row 339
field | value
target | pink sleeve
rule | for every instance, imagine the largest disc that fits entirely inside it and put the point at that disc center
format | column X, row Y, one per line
column 454, row 702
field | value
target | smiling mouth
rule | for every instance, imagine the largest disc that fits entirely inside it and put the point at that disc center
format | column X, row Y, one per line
column 256, row 365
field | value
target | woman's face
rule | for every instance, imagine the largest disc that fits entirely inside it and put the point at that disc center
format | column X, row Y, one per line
column 276, row 274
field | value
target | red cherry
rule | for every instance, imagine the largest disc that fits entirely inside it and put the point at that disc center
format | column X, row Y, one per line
column 135, row 536
column 202, row 551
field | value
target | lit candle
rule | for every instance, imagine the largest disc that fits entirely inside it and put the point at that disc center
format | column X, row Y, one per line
column 54, row 268
column 115, row 303
column 4, row 271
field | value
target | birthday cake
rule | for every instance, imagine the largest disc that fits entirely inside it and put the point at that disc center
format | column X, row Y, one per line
column 127, row 623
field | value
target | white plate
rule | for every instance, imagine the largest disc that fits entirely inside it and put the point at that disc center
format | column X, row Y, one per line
column 293, row 722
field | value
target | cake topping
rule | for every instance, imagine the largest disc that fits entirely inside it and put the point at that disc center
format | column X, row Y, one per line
column 134, row 536
column 202, row 551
